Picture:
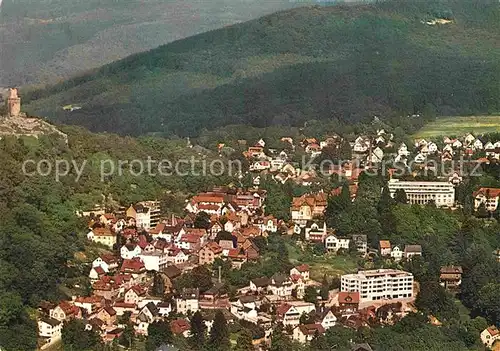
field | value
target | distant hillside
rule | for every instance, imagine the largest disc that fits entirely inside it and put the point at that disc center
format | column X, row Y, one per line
column 343, row 62
column 44, row 41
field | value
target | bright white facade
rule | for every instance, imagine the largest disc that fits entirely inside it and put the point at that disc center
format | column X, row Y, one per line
column 379, row 284
column 442, row 193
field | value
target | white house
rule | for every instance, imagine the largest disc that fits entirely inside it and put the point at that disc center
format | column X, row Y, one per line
column 432, row 147
column 302, row 270
column 457, row 144
column 403, row 150
column 280, row 285
column 328, row 319
column 477, row 145
column 188, row 301
column 154, row 261
column 49, row 328
column 289, row 313
column 129, row 251
column 376, row 156
column 397, row 253
column 489, row 336
column 107, row 262
column 469, row 139
column 490, row 197
column 412, row 251
column 420, row 158
column 334, row 243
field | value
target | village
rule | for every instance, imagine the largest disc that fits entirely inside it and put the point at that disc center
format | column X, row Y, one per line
column 145, row 254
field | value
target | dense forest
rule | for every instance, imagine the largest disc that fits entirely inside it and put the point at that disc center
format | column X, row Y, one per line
column 344, row 62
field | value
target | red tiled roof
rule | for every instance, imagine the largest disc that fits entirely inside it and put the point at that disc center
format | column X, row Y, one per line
column 99, row 270
column 311, row 329
column 137, row 289
column 489, row 192
column 160, row 227
column 109, row 258
column 302, row 268
column 190, row 238
column 121, row 304
column 134, row 265
column 493, row 330
column 385, row 244
column 102, row 231
column 282, row 309
column 348, row 297
column 179, row 326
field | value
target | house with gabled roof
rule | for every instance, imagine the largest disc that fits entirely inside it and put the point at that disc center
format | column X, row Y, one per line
column 180, row 326
column 490, row 197
column 301, row 270
column 209, row 252
column 259, row 284
column 280, row 285
column 96, row 273
column 308, row 207
column 134, row 294
column 65, row 311
column 188, row 301
column 108, row 315
column 49, row 328
column 385, row 247
column 108, row 262
column 135, row 267
column 102, row 235
column 412, row 251
column 129, row 251
column 348, row 302
column 489, row 336
column 305, row 332
column 289, row 313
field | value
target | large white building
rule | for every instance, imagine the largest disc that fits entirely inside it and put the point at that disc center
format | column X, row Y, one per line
column 442, row 193
column 379, row 284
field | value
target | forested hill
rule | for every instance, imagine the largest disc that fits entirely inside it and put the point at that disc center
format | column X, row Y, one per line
column 348, row 62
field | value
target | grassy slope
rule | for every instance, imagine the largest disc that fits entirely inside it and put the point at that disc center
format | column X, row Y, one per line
column 460, row 126
column 319, row 62
column 51, row 40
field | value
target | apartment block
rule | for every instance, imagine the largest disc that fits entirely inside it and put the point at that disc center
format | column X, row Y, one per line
column 379, row 284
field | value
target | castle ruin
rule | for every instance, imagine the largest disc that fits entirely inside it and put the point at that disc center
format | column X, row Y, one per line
column 13, row 103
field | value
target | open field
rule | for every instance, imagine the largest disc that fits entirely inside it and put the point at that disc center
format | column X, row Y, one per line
column 459, row 126
column 331, row 265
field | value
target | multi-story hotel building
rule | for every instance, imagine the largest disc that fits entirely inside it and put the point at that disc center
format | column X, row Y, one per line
column 379, row 284
column 442, row 193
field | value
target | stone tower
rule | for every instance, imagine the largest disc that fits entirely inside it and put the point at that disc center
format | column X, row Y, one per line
column 13, row 103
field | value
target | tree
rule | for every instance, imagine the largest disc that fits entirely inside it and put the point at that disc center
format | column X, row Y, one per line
column 158, row 285
column 219, row 334
column 244, row 341
column 159, row 332
column 75, row 337
column 198, row 331
column 434, row 299
column 386, row 201
column 127, row 336
column 319, row 342
column 488, row 302
column 310, row 294
column 325, row 288
column 279, row 341
column 400, row 197
column 202, row 220
column 482, row 212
